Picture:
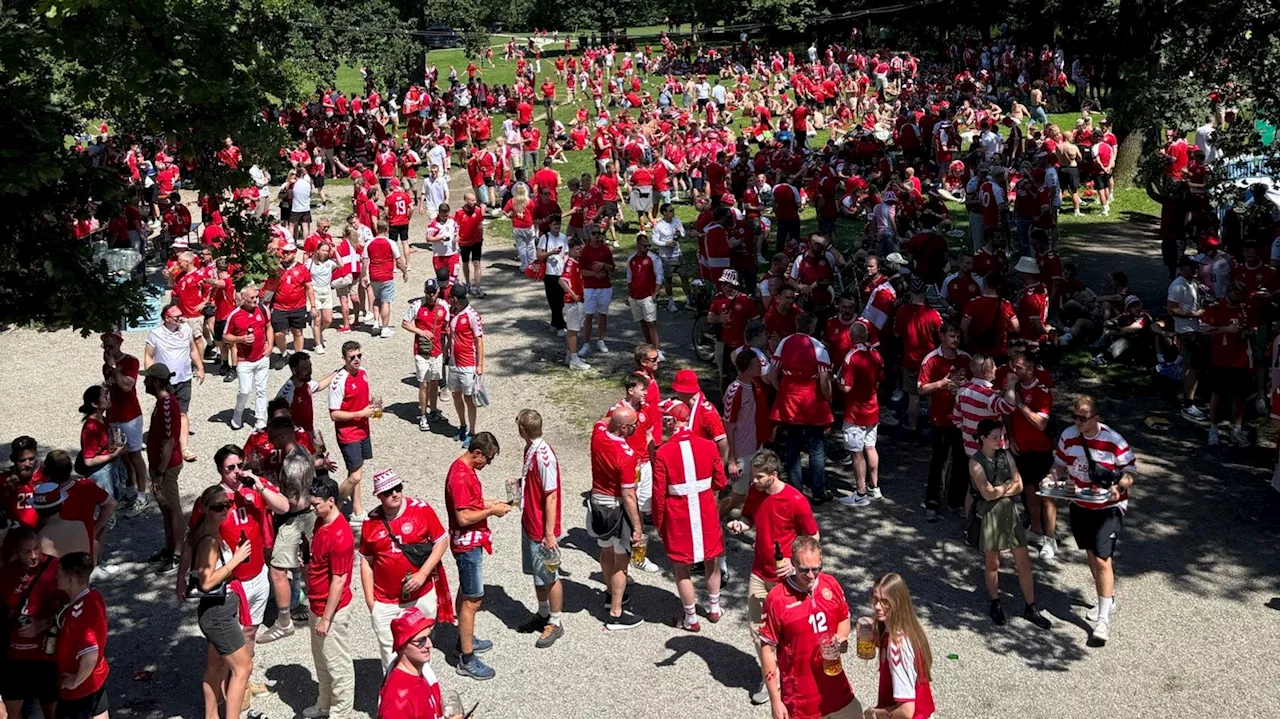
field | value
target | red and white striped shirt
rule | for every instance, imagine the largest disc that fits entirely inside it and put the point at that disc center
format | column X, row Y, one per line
column 1109, row 451
column 977, row 400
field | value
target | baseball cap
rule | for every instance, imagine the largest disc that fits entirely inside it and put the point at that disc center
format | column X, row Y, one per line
column 686, row 382
column 180, row 243
column 458, row 291
column 408, row 625
column 896, row 258
column 675, row 409
column 159, row 369
column 431, row 286
column 384, row 480
column 395, row 182
column 1132, row 300
column 289, row 247
column 727, row 199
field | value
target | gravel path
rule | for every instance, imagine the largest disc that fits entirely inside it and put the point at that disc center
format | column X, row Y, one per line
column 1197, row 587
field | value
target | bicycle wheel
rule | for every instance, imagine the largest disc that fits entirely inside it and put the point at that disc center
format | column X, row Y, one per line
column 704, row 340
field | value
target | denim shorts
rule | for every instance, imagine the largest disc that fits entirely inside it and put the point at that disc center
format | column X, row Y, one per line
column 470, row 573
column 531, row 562
column 384, row 291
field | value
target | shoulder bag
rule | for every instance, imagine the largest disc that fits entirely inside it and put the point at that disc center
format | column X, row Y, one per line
column 194, row 590
column 417, row 554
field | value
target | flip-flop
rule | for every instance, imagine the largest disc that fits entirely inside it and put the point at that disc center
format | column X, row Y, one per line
column 1158, row 424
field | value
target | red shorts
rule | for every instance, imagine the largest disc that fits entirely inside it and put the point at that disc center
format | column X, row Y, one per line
column 451, row 261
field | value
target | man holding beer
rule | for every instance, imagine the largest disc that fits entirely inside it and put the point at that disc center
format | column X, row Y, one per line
column 540, row 521
column 687, row 475
column 613, row 515
column 806, row 629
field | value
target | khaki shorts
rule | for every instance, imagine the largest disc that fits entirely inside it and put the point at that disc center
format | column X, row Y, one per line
column 324, row 298
column 428, row 369
column 196, row 324
column 165, row 488
column 574, row 313
column 462, row 381
column 284, row 555
column 757, row 590
column 644, row 309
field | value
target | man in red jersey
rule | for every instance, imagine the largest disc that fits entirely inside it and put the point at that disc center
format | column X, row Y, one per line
column 597, row 267
column 466, row 360
column 399, row 211
column 164, row 457
column 29, row 590
column 861, row 372
column 470, row 221
column 382, row 258
column 120, row 371
column 297, row 391
column 608, row 183
column 613, row 518
column 329, row 598
column 470, row 540
column 1032, row 303
column 1227, row 324
column 191, row 295
column 779, row 514
column 801, row 613
column 638, row 388
column 81, row 652
column 731, row 310
column 644, row 268
column 540, row 526
column 289, row 292
column 251, row 336
column 916, row 324
column 687, row 475
column 411, row 690
column 941, row 373
column 989, row 320
column 350, row 408
column 390, row 581
column 801, row 370
column 19, row 485
column 1031, row 446
column 428, row 320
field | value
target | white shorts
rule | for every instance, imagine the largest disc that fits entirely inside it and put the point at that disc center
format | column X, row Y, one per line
column 743, row 485
column 324, row 298
column 573, row 315
column 132, row 431
column 597, row 300
column 428, row 369
column 644, row 309
column 462, row 380
column 858, row 438
column 256, row 592
column 644, row 488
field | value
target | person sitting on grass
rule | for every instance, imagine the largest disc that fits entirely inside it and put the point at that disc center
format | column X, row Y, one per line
column 1126, row 337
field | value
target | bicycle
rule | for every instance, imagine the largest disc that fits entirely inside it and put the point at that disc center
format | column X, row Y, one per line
column 705, row 334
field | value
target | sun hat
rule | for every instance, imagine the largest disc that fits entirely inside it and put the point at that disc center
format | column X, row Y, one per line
column 686, row 382
column 730, row 277
column 409, row 624
column 48, row 495
column 385, row 480
column 1027, row 265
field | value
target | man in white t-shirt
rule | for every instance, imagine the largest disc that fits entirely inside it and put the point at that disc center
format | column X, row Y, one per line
column 1183, row 304
column 437, row 156
column 173, row 345
column 666, row 236
column 435, row 190
column 300, row 210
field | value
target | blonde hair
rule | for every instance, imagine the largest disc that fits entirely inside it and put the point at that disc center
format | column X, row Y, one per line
column 520, row 198
column 903, row 620
column 530, row 423
column 1085, row 400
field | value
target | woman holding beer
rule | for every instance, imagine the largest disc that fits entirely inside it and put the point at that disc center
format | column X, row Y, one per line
column 906, row 662
column 995, row 478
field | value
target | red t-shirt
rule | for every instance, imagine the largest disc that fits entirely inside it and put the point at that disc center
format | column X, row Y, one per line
column 591, row 255
column 1026, row 437
column 124, row 404
column 961, row 290
column 301, row 407
column 290, row 287
column 166, row 423
column 988, row 325
column 541, row 474
column 189, row 291
column 462, row 490
column 40, row 586
column 332, row 553
column 742, row 309
column 608, row 185
column 1228, row 349
column 399, row 203
column 522, row 220
column 862, row 370
column 416, row 524
column 917, row 326
column 794, row 623
column 350, row 393
column 613, row 463
column 467, row 329
column 84, row 629
column 94, row 438
column 936, row 367
column 17, row 495
column 800, row 359
column 241, row 323
column 84, row 498
column 470, row 226
column 405, row 696
column 642, row 277
column 778, row 518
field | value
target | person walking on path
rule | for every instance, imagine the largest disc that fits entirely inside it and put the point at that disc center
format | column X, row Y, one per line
column 174, row 345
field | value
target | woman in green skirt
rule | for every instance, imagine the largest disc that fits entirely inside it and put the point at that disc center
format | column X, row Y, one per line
column 996, row 480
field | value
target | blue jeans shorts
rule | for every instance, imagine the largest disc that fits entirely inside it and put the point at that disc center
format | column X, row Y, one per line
column 470, row 573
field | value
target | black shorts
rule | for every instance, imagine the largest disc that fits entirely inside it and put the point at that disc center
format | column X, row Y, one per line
column 1195, row 350
column 219, row 326
column 1231, row 382
column 84, row 708
column 609, row 209
column 219, row 621
column 471, row 253
column 318, row 180
column 1033, row 466
column 1070, row 178
column 399, row 233
column 1102, row 181
column 300, row 217
column 702, row 102
column 355, row 454
column 182, row 391
column 282, row 320
column 1096, row 530
column 31, row 679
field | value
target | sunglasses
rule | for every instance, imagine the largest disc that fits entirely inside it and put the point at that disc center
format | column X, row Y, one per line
column 172, row 318
column 231, row 467
column 398, row 489
column 220, row 507
column 809, row 570
column 1083, row 417
column 356, row 356
column 651, row 359
column 420, row 642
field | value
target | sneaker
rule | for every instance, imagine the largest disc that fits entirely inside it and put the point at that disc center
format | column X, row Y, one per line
column 930, row 515
column 997, row 613
column 229, row 377
column 601, row 347
column 819, row 499
column 461, row 434
column 1065, row 338
column 300, row 614
column 1239, row 436
column 476, row 669
column 386, row 332
column 560, row 333
column 1098, row 361
column 466, row 441
column 1035, row 538
column 478, row 646
column 319, row 350
column 1101, row 633
column 1214, row 441
column 846, row 461
column 275, row 632
column 626, row 599
column 874, row 493
column 315, row 712
column 682, row 622
column 99, row 575
column 1032, row 614
column 236, row 424
column 715, row 615
column 1092, row 614
column 160, row 556
column 140, row 506
column 622, row 622
column 575, row 362
column 344, row 329
column 584, row 350
column 167, row 566
column 1194, row 413
column 671, row 305
column 888, row 419
column 647, row 566
column 536, row 624
column 855, row 500
column 1049, row 549
column 897, row 395
column 662, row 356
column 424, row 424
column 760, row 696
column 550, row 634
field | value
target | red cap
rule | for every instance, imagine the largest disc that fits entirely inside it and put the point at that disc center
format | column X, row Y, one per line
column 727, row 199
column 395, row 182
column 409, row 624
column 1212, row 241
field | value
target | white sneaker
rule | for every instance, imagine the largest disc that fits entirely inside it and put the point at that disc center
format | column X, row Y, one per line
column 855, row 500
column 560, row 333
column 1049, row 549
column 319, row 349
column 424, row 424
column 575, row 362
column 671, row 305
column 662, row 357
column 1213, row 436
column 99, row 574
column 275, row 632
column 1035, row 538
column 647, row 566
column 601, row 347
column 897, row 395
column 584, row 350
column 874, row 493
column 1092, row 614
column 1194, row 413
column 1101, row 631
column 387, row 332
column 1239, row 436
column 314, row 712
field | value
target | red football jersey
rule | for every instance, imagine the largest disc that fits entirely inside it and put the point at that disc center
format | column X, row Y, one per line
column 795, row 622
column 778, row 518
column 417, row 523
column 462, row 490
column 332, row 554
column 249, row 517
column 83, row 624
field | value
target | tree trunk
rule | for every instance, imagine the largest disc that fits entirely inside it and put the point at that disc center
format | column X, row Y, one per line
column 1128, row 157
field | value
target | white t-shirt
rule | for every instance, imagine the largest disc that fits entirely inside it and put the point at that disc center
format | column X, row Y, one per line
column 1187, row 296
column 437, row 156
column 1204, row 136
column 549, row 243
column 301, row 195
column 173, row 350
column 445, row 240
column 703, row 89
column 435, row 192
column 666, row 237
column 719, row 94
column 322, row 273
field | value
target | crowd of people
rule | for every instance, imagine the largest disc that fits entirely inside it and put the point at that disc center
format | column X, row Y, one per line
column 873, row 322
